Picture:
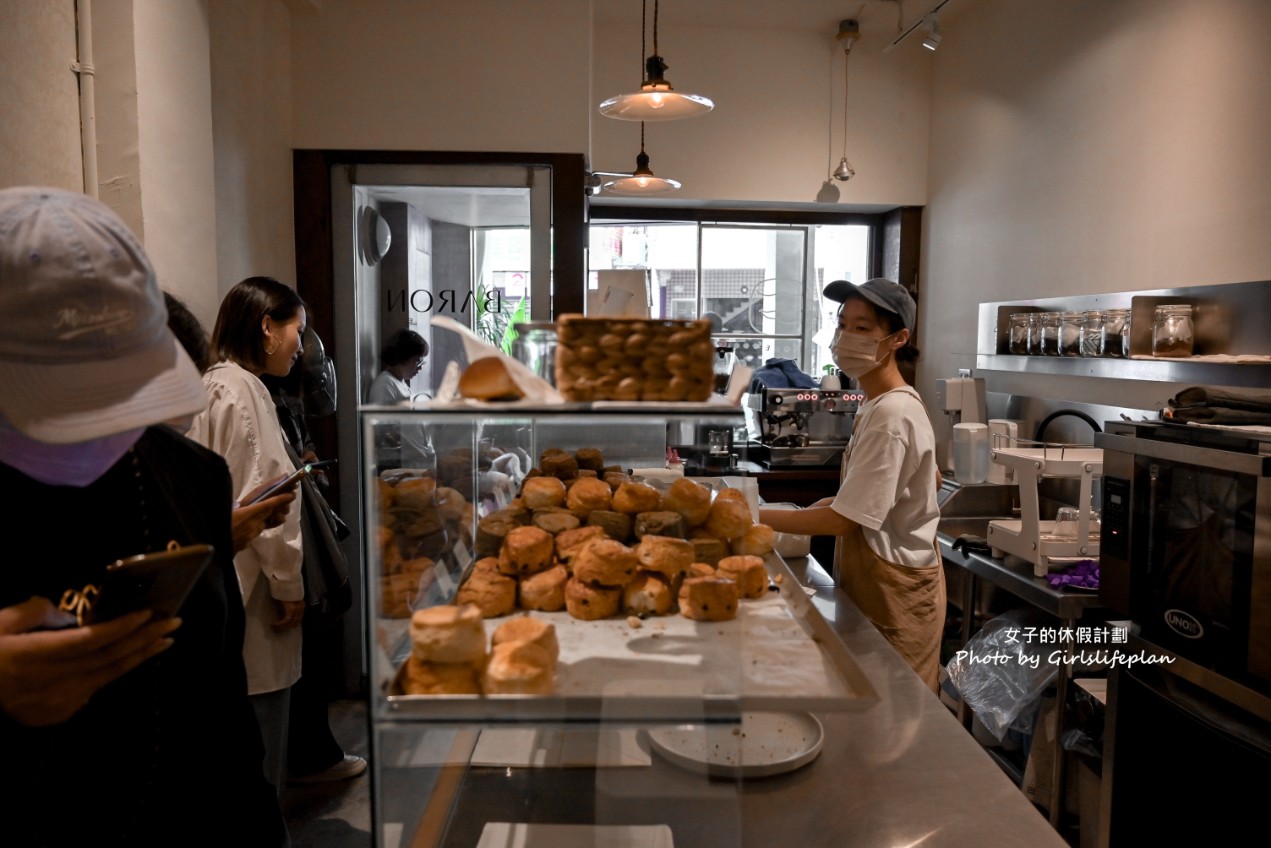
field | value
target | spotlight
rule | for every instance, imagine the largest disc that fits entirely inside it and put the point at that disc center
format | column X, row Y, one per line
column 932, row 41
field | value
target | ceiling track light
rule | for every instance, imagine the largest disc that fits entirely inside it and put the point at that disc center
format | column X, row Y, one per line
column 656, row 100
column 932, row 41
column 928, row 22
column 642, row 180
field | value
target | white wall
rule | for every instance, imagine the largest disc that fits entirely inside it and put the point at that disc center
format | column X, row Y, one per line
column 251, row 124
column 174, row 112
column 39, row 96
column 1084, row 147
column 496, row 76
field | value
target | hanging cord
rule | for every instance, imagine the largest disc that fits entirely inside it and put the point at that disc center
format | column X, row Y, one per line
column 642, row 136
column 847, row 56
column 829, row 128
column 644, row 13
column 655, row 28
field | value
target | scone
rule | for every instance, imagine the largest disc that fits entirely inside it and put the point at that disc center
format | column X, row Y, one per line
column 544, row 591
column 542, row 492
column 747, row 572
column 758, row 540
column 526, row 550
column 709, row 551
column 569, row 542
column 728, row 518
column 647, row 594
column 488, row 589
column 659, row 523
column 587, row 495
column 448, row 634
column 428, row 678
column 664, row 554
column 708, row 599
column 555, row 520
column 591, row 603
column 526, row 628
column 689, row 499
column 616, row 525
column 518, row 668
column 633, row 498
column 605, row 562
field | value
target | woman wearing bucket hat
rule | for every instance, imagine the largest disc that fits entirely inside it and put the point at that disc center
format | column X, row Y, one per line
column 141, row 728
column 885, row 512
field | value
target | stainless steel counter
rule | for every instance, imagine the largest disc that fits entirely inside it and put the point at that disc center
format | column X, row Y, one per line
column 900, row 772
column 903, row 772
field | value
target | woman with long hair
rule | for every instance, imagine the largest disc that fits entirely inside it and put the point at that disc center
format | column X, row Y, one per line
column 258, row 331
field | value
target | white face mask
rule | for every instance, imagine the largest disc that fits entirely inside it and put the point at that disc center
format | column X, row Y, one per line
column 76, row 464
column 856, row 354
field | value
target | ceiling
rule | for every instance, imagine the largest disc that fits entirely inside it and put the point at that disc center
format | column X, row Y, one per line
column 821, row 15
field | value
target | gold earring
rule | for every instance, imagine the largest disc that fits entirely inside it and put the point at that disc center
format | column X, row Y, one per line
column 274, row 349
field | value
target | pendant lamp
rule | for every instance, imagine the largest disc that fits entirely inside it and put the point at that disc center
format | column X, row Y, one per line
column 656, row 100
column 641, row 180
column 848, row 32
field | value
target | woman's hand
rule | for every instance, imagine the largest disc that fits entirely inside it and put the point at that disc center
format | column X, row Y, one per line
column 290, row 614
column 47, row 676
column 248, row 522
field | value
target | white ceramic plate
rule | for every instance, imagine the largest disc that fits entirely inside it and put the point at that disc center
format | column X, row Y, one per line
column 763, row 744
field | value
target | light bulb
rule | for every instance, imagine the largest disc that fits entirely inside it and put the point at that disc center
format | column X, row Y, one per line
column 643, row 181
column 657, row 101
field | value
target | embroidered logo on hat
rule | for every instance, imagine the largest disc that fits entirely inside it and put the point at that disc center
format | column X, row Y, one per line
column 85, row 351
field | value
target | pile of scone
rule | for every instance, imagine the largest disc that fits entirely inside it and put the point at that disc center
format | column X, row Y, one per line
column 419, row 521
column 449, row 655
column 597, row 543
column 634, row 359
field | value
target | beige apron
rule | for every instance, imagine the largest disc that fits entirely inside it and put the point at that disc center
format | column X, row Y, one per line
column 906, row 605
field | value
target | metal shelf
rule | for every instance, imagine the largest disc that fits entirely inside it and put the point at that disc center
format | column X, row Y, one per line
column 1254, row 376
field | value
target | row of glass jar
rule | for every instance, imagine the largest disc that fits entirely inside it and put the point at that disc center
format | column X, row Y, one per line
column 1099, row 332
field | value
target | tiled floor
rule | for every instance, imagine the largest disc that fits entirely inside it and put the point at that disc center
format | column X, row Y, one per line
column 337, row 814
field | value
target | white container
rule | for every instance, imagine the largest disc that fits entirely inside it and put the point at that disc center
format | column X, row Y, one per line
column 970, row 453
column 790, row 545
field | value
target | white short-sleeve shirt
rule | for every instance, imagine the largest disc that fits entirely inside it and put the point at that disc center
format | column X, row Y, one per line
column 889, row 484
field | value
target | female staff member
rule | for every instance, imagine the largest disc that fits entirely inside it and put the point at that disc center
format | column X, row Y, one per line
column 401, row 357
column 257, row 332
column 885, row 512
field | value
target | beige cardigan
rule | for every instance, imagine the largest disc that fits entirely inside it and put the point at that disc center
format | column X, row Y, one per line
column 240, row 424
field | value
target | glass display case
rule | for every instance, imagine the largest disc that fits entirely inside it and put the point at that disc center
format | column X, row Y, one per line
column 648, row 724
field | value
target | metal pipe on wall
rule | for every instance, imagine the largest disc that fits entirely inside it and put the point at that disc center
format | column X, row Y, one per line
column 87, row 104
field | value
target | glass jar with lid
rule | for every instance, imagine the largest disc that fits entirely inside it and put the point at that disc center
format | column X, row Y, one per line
column 1116, row 333
column 1050, row 333
column 1172, row 331
column 1035, row 333
column 535, row 348
column 1072, row 327
column 1017, row 334
column 1092, row 334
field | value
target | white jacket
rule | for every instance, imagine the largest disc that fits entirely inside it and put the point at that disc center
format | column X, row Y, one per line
column 241, row 424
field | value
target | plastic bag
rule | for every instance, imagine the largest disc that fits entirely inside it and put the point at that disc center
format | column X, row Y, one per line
column 999, row 674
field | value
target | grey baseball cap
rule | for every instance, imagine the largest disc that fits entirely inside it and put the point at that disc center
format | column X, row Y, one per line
column 881, row 292
column 85, row 350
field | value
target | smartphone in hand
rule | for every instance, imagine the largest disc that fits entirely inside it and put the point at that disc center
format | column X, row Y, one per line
column 159, row 582
column 288, row 482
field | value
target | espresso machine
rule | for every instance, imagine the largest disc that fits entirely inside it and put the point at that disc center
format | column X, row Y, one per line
column 800, row 427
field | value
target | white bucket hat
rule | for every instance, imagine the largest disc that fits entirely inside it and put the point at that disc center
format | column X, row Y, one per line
column 85, row 351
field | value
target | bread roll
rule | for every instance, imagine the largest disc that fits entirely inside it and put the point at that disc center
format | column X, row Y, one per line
column 488, row 379
column 518, row 668
column 448, row 634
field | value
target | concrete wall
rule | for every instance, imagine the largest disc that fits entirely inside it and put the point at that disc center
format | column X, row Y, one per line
column 1084, row 147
